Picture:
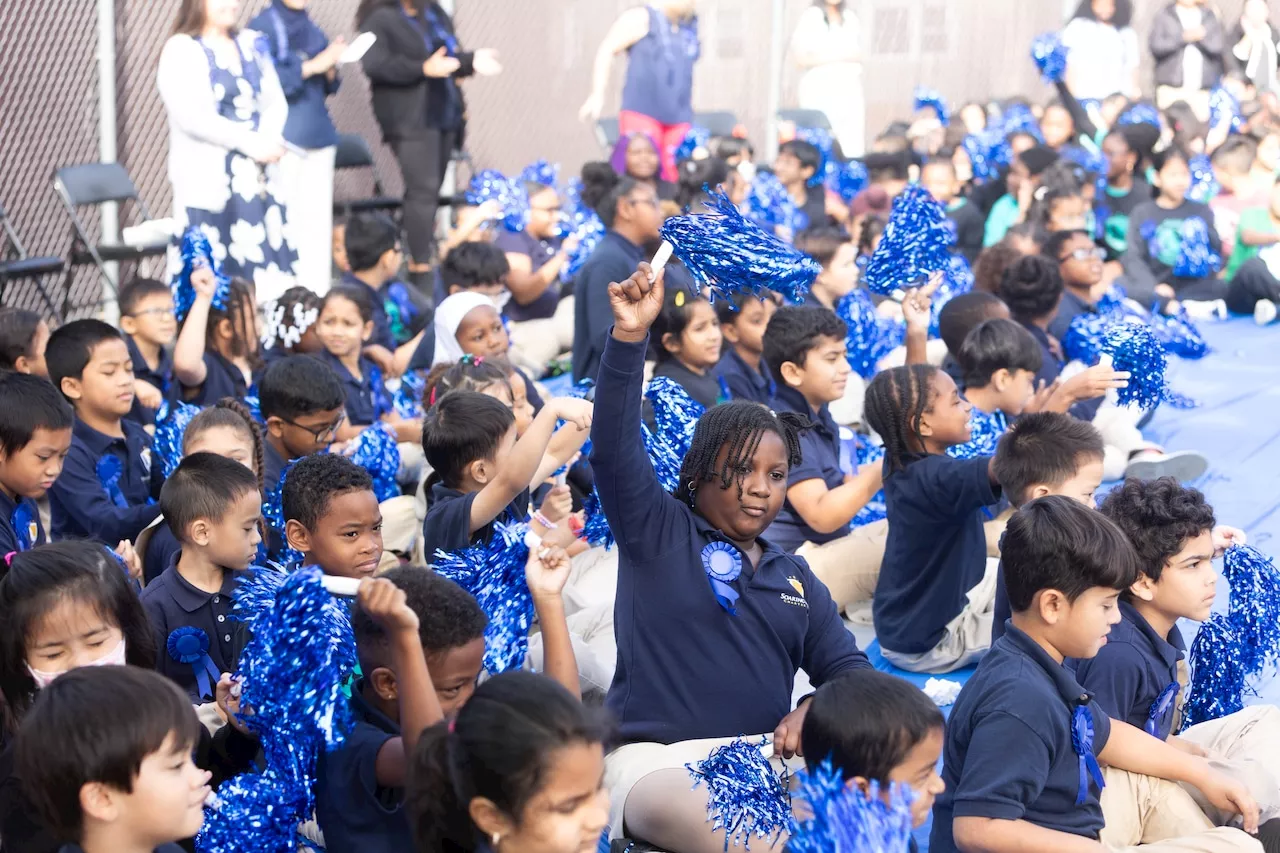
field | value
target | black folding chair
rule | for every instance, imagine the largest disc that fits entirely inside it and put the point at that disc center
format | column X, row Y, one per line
column 607, row 132
column 93, row 185
column 354, row 153
column 815, row 119
column 718, row 122
column 17, row 265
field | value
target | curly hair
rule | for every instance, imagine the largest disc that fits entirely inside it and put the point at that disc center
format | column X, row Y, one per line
column 740, row 425
column 1159, row 517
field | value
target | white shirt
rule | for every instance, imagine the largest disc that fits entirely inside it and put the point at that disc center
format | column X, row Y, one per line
column 1192, row 59
column 1102, row 58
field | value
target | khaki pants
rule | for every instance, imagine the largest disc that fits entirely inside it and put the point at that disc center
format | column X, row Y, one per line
column 966, row 638
column 850, row 565
column 1155, row 816
column 536, row 342
column 400, row 528
column 1240, row 745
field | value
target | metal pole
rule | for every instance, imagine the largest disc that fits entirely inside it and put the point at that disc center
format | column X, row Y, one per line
column 777, row 55
column 107, row 152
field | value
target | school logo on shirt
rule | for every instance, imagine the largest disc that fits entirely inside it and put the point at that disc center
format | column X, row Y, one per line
column 798, row 601
column 32, row 532
column 146, row 460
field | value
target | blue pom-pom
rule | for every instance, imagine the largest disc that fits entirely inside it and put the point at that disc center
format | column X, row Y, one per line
column 1140, row 113
column 197, row 253
column 925, row 98
column 1224, row 110
column 1179, row 335
column 492, row 185
column 870, row 337
column 1196, row 257
column 494, row 574
column 1133, row 347
column 675, row 414
column 842, row 818
column 875, row 509
column 730, row 255
column 957, row 278
column 848, row 179
column 746, row 797
column 595, row 527
column 697, row 138
column 252, row 812
column 915, row 243
column 166, row 447
column 769, row 205
column 408, row 397
column 375, row 449
column 1204, row 184
column 985, row 429
column 1017, row 118
column 1217, row 673
column 541, row 172
column 827, row 161
column 1254, row 610
column 580, row 221
column 1050, row 56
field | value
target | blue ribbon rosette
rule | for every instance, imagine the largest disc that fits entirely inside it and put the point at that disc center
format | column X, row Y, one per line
column 190, row 646
column 110, row 469
column 1159, row 708
column 23, row 522
column 1082, row 743
column 723, row 565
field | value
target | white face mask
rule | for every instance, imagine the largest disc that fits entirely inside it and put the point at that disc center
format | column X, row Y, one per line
column 115, row 657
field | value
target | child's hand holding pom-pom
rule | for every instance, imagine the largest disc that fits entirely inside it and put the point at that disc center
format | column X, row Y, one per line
column 547, row 571
column 387, row 605
column 636, row 303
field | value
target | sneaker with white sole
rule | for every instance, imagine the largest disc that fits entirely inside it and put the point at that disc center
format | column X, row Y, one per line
column 1183, row 465
column 1264, row 312
column 1213, row 309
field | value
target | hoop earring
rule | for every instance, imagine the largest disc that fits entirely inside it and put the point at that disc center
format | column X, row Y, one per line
column 693, row 492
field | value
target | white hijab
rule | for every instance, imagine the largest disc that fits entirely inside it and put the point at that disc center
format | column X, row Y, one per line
column 449, row 314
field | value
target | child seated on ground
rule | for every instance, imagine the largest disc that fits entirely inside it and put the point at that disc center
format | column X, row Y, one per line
column 687, row 344
column 695, row 573
column 520, row 765
column 1046, row 453
column 149, row 327
column 1021, row 184
column 126, row 780
column 796, row 166
column 214, row 508
column 1000, row 360
column 35, row 437
column 742, row 371
column 1254, row 269
column 1025, row 740
column 108, row 484
column 894, row 736
column 836, row 253
column 331, row 515
column 958, row 317
column 24, row 335
column 303, row 405
column 938, row 176
column 375, row 258
column 804, row 347
column 216, row 354
column 1140, row 675
column 477, row 268
column 933, row 599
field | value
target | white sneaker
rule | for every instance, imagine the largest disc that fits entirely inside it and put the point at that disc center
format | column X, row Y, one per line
column 1215, row 309
column 1183, row 465
column 1264, row 312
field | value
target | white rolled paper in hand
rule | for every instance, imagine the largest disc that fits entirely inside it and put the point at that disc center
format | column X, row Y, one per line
column 344, row 587
column 660, row 259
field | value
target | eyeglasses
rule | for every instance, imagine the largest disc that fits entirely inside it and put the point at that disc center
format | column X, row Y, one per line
column 324, row 434
column 1084, row 254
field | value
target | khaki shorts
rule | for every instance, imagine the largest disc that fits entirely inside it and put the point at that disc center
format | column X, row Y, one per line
column 966, row 637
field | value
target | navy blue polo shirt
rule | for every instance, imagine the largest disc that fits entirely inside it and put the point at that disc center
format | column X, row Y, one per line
column 354, row 812
column 743, row 381
column 687, row 668
column 614, row 259
column 1008, row 752
column 1133, row 670
column 81, row 506
column 936, row 551
column 381, row 324
column 367, row 397
column 221, row 379
column 162, row 549
column 447, row 526
column 161, row 378
column 703, row 388
column 1069, row 308
column 172, row 602
column 31, row 533
column 540, row 252
column 273, row 465
column 1002, row 610
column 820, row 460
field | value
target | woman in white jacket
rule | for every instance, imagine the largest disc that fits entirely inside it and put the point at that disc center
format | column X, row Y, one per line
column 226, row 118
column 827, row 45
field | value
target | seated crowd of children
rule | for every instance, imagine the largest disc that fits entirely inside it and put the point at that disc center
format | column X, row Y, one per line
column 946, row 499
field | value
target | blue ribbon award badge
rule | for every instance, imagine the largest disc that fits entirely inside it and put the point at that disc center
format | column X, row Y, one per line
column 723, row 565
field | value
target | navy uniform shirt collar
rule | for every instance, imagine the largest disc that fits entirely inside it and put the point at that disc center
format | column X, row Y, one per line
column 99, row 443
column 1063, row 679
column 440, row 490
column 273, row 463
column 793, row 401
column 369, row 714
column 344, row 373
column 1072, row 300
column 190, row 597
column 626, row 245
column 707, row 530
column 1169, row 649
column 757, row 373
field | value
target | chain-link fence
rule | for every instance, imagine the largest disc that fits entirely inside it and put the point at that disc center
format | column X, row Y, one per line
column 48, row 84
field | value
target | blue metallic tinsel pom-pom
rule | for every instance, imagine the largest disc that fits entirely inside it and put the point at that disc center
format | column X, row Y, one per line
column 166, row 447
column 986, row 428
column 1050, row 56
column 595, row 527
column 1254, row 610
column 914, row 245
column 848, row 179
column 1204, row 184
column 870, row 336
column 1092, row 162
column 957, row 279
column 770, row 206
column 492, row 185
column 408, row 397
column 1224, row 109
column 583, row 222
column 696, row 138
column 541, row 172
column 728, row 254
column 1196, row 257
column 1217, row 673
column 826, row 145
column 1134, row 347
column 746, row 797
column 375, row 449
column 875, row 510
column 842, row 818
column 1179, row 335
column 196, row 252
column 494, row 574
column 924, row 98
column 675, row 414
column 1140, row 113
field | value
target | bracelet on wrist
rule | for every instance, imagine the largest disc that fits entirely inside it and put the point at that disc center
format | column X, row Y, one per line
column 543, row 520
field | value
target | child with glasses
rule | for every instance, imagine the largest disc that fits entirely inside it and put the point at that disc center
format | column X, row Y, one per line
column 149, row 326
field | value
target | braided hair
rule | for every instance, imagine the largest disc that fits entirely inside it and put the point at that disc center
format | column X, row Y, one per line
column 896, row 401
column 229, row 412
column 740, row 425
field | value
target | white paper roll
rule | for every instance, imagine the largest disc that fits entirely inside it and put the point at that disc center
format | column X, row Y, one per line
column 345, row 587
column 660, row 259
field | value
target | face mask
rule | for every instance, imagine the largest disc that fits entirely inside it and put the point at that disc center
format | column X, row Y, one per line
column 115, row 657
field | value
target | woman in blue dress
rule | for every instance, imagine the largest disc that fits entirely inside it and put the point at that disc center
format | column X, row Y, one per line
column 226, row 119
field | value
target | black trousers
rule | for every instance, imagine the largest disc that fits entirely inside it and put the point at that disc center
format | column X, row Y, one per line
column 1251, row 283
column 423, row 158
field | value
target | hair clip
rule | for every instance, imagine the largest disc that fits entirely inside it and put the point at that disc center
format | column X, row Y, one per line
column 679, row 298
column 431, row 401
column 8, row 558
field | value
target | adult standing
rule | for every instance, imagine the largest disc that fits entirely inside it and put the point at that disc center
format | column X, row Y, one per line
column 1188, row 44
column 413, row 70
column 1102, row 51
column 307, row 65
column 661, row 40
column 226, row 114
column 1252, row 46
column 827, row 46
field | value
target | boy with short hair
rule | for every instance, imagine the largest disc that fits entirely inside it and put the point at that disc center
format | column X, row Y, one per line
column 214, row 509
column 742, row 371
column 107, row 487
column 804, row 347
column 303, row 404
column 331, row 515
column 1000, row 360
column 796, row 164
column 832, row 249
column 150, row 327
column 1024, row 739
column 375, row 257
column 126, row 780
column 35, row 436
column 957, row 318
column 1079, row 263
column 938, row 176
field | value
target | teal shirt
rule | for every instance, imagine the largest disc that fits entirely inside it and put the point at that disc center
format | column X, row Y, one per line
column 1003, row 216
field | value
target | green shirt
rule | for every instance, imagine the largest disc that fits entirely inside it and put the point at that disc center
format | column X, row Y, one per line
column 1251, row 219
column 1003, row 216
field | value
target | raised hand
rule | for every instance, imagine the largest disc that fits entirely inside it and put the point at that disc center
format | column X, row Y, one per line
column 636, row 303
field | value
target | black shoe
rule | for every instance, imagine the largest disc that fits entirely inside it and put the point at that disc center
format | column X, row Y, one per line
column 1269, row 835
